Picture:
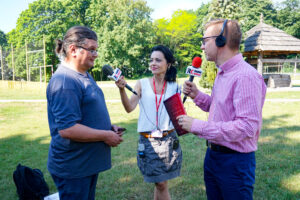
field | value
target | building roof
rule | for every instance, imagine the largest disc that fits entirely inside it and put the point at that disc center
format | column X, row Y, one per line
column 266, row 38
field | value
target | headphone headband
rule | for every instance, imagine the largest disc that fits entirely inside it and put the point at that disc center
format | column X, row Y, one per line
column 223, row 27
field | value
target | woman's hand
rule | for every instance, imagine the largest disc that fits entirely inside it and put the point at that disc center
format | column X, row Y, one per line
column 121, row 83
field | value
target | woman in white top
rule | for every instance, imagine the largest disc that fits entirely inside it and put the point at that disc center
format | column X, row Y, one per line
column 159, row 153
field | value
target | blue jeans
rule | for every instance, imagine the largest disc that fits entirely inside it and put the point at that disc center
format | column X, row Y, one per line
column 76, row 188
column 229, row 175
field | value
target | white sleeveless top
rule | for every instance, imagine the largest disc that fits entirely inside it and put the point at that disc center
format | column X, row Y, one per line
column 147, row 117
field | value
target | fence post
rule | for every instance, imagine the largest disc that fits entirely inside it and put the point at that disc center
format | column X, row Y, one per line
column 12, row 61
column 26, row 61
column 2, row 66
column 45, row 71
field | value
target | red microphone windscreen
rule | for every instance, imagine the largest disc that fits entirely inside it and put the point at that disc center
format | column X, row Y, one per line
column 197, row 61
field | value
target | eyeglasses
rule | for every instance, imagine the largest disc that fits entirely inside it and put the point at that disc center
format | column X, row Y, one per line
column 204, row 38
column 90, row 50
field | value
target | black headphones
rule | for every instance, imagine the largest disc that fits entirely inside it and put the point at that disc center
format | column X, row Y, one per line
column 221, row 40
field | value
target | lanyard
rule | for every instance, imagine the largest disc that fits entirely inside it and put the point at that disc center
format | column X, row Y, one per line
column 157, row 105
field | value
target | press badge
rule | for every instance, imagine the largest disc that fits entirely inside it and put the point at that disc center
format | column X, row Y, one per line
column 156, row 134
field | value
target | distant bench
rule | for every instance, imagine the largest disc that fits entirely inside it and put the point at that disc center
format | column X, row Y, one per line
column 277, row 80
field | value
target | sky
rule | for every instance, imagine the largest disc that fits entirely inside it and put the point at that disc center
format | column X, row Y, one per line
column 11, row 9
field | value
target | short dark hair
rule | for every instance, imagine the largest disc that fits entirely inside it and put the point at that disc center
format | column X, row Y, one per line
column 75, row 35
column 171, row 71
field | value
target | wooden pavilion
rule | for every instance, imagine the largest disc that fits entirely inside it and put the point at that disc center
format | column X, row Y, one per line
column 267, row 44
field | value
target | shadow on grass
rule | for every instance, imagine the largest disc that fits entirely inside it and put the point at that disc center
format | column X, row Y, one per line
column 122, row 181
column 277, row 159
column 18, row 149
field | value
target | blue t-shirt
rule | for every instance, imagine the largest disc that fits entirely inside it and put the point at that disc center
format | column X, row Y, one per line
column 74, row 98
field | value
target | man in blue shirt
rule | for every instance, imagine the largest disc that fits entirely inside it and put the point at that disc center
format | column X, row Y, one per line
column 79, row 121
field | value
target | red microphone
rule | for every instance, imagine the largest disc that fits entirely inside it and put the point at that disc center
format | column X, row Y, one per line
column 197, row 61
column 193, row 71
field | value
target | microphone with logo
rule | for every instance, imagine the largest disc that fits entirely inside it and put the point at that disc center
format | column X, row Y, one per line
column 115, row 75
column 193, row 71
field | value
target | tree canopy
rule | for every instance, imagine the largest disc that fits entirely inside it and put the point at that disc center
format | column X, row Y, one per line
column 3, row 40
column 126, row 32
column 180, row 34
column 288, row 17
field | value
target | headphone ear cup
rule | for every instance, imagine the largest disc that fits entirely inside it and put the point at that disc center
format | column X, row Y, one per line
column 220, row 41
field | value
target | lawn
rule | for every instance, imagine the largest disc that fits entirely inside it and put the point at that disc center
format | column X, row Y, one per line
column 31, row 90
column 24, row 138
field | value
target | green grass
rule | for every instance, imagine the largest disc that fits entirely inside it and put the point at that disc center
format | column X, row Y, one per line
column 24, row 138
column 22, row 90
column 283, row 95
column 296, row 77
column 35, row 90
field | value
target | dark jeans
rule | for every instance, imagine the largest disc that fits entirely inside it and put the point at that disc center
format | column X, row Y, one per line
column 76, row 188
column 229, row 175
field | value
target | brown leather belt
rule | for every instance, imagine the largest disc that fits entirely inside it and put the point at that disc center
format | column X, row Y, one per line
column 148, row 134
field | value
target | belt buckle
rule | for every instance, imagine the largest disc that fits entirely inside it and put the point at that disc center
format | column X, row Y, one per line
column 156, row 134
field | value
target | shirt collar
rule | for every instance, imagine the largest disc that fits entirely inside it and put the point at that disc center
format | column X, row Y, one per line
column 231, row 62
column 72, row 68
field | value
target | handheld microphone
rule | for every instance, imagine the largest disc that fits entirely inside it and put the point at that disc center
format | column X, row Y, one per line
column 193, row 71
column 115, row 75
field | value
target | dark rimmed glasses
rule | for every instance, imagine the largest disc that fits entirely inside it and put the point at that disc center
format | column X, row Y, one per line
column 92, row 51
column 204, row 38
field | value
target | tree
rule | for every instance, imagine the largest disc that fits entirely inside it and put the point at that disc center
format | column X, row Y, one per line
column 42, row 18
column 201, row 14
column 209, row 73
column 3, row 40
column 77, row 11
column 161, row 27
column 251, row 11
column 49, row 19
column 125, row 33
column 226, row 9
column 289, row 17
column 3, row 45
column 180, row 34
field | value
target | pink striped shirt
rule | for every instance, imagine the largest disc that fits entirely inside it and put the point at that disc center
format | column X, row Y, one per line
column 235, row 107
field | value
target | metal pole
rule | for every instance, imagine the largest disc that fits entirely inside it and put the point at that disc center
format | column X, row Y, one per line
column 2, row 66
column 12, row 61
column 29, row 73
column 27, row 76
column 45, row 71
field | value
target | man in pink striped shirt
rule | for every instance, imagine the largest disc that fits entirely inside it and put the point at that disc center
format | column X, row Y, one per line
column 235, row 114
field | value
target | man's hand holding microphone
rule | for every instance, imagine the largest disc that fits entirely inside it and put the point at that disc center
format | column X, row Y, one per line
column 190, row 89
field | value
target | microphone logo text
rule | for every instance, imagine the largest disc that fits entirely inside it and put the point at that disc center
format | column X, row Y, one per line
column 116, row 75
column 192, row 71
